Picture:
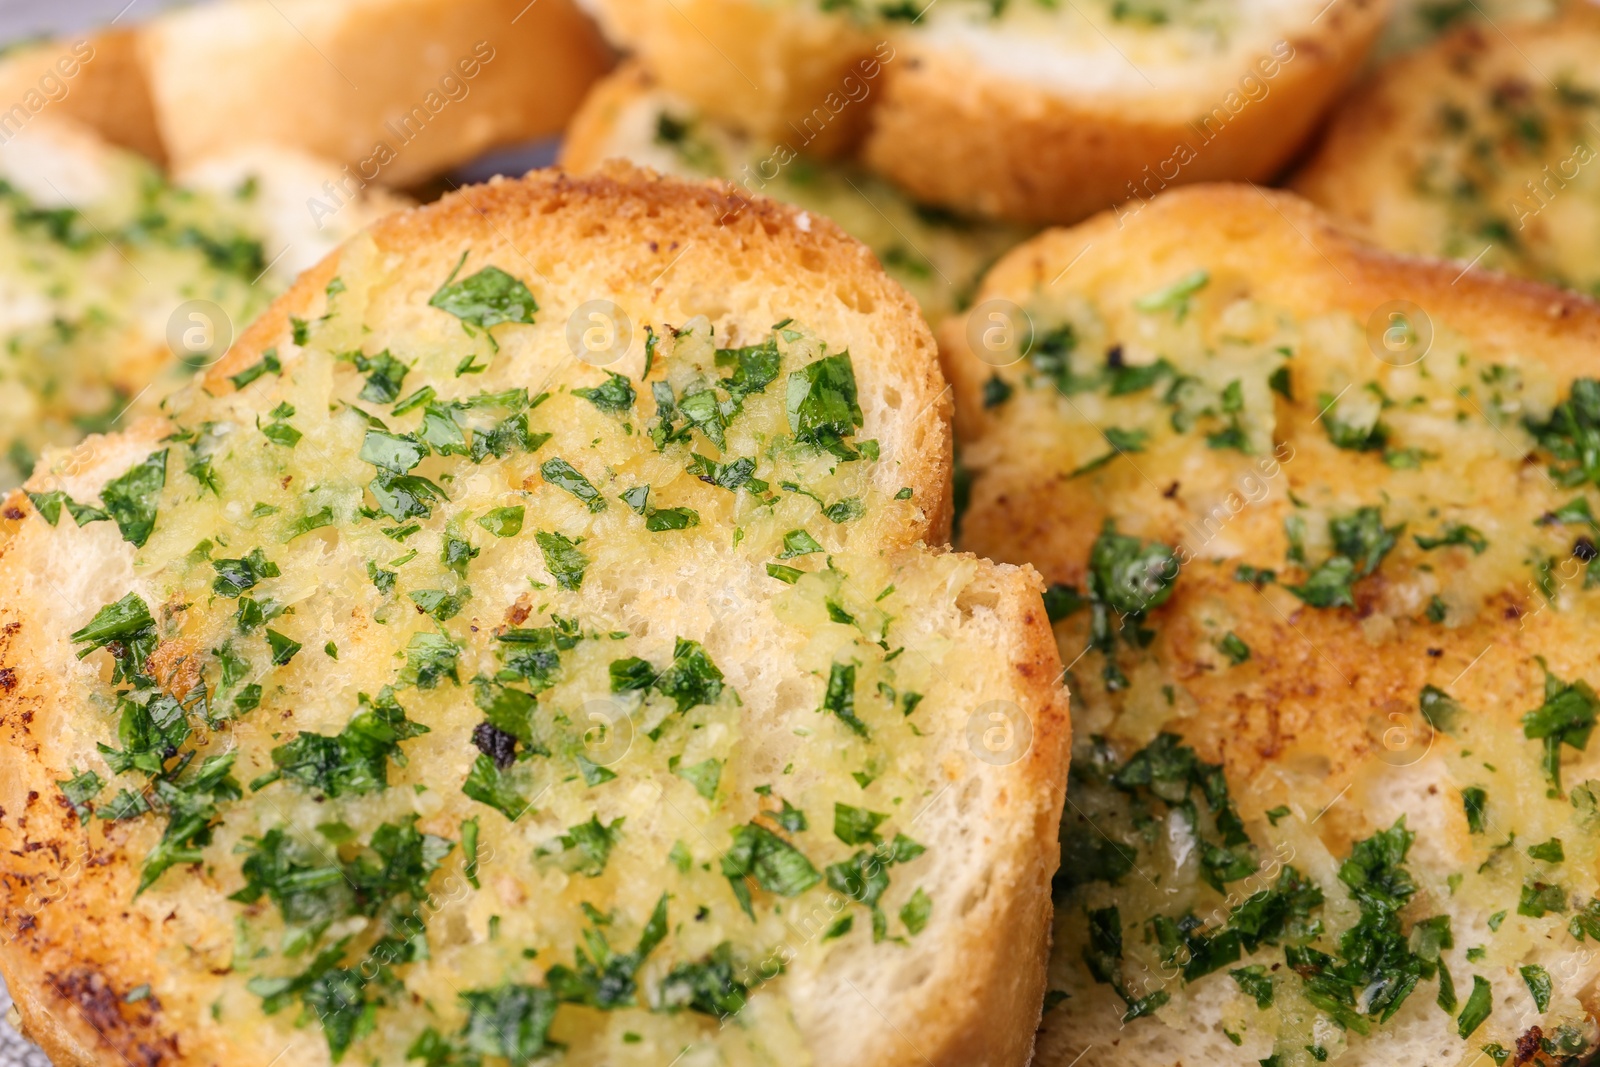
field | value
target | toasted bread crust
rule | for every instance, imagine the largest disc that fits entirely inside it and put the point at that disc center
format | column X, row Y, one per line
column 396, row 89
column 1307, row 721
column 77, row 948
column 763, row 67
column 106, row 89
column 670, row 216
column 1386, row 163
column 1007, row 149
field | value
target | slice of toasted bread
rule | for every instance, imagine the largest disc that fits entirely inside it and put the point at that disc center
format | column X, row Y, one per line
column 1372, row 558
column 668, row 701
column 1481, row 148
column 938, row 257
column 116, row 277
column 1414, row 24
column 398, row 90
column 96, row 80
column 1048, row 115
column 775, row 71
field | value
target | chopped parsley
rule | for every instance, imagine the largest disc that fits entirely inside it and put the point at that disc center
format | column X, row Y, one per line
column 131, row 497
column 353, row 761
column 759, row 855
column 563, row 475
column 1566, row 717
column 822, row 404
column 561, row 556
column 614, row 397
column 485, row 299
column 839, row 699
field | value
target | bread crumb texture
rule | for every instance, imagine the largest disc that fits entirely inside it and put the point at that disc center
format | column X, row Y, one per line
column 1481, row 148
column 523, row 648
column 121, row 283
column 1316, row 523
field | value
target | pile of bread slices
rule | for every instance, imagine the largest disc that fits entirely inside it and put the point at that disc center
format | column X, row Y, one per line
column 958, row 533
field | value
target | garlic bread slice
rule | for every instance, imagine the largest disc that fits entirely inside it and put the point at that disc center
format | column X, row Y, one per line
column 1481, row 147
column 119, row 282
column 526, row 647
column 1316, row 523
column 937, row 256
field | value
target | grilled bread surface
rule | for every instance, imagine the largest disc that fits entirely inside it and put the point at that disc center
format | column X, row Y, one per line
column 1481, row 148
column 1316, row 520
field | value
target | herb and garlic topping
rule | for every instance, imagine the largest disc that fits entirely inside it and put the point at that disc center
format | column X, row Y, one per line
column 1333, row 792
column 470, row 705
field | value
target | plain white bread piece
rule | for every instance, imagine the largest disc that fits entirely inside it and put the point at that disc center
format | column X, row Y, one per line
column 1314, row 518
column 1048, row 115
column 96, row 80
column 556, row 708
column 936, row 256
column 1480, row 148
column 112, row 273
column 397, row 90
column 772, row 70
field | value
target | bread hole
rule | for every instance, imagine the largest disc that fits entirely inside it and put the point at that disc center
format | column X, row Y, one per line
column 975, row 896
column 891, row 398
column 329, row 537
column 974, row 597
column 597, row 229
column 909, row 978
column 812, row 260
column 855, row 298
column 970, row 791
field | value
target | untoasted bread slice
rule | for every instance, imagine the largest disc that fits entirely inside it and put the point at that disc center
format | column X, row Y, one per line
column 1480, row 148
column 938, row 257
column 398, row 90
column 1369, row 545
column 116, row 277
column 669, row 702
column 1048, row 115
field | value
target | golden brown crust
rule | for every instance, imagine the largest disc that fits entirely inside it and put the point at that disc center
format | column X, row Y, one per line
column 96, row 80
column 587, row 138
column 1386, row 144
column 1310, row 719
column 68, row 964
column 620, row 207
column 77, row 948
column 1007, row 149
column 398, row 90
column 1003, row 962
column 765, row 68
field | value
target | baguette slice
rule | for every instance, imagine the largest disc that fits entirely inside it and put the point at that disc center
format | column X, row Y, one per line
column 1480, row 148
column 113, row 274
column 1049, row 114
column 935, row 255
column 1227, row 341
column 397, row 90
column 785, row 70
column 685, row 749
column 1415, row 24
column 96, row 80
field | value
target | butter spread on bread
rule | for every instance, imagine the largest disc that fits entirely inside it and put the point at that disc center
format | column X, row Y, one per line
column 445, row 685
column 1317, row 525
